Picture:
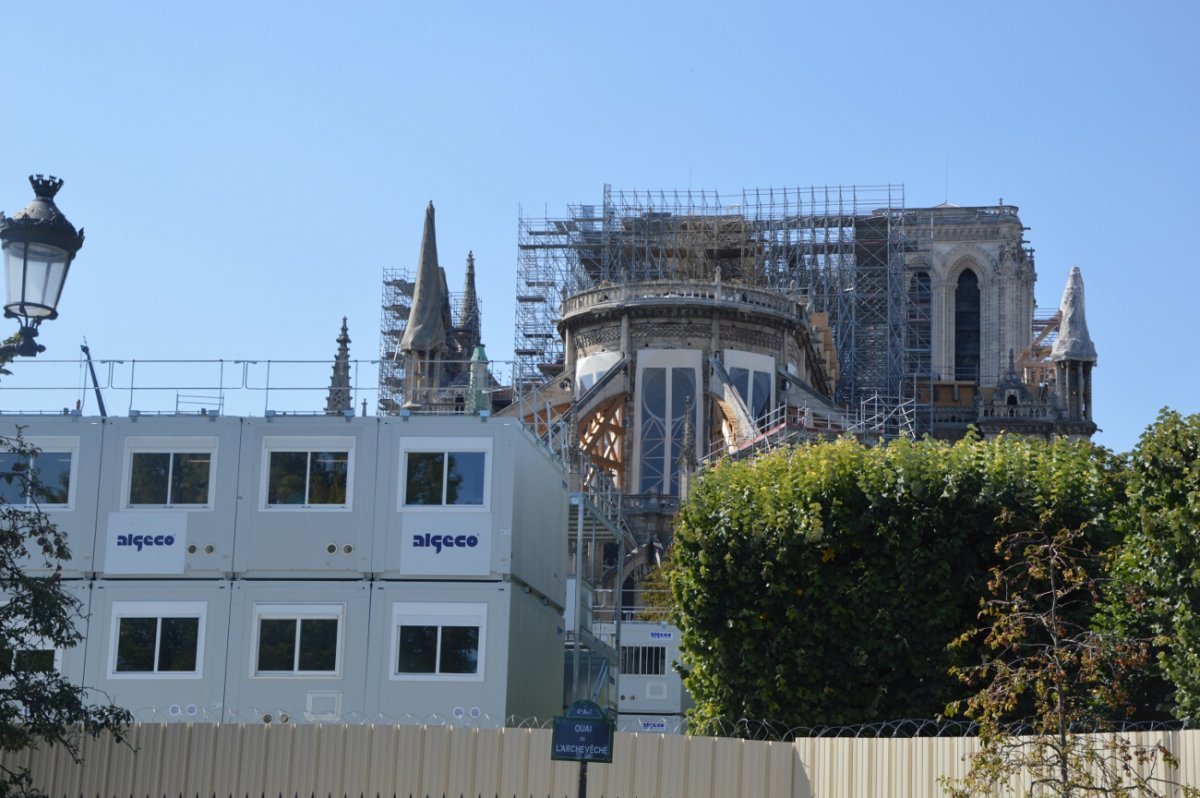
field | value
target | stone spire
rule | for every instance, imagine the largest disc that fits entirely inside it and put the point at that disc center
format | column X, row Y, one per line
column 1074, row 342
column 339, row 384
column 468, row 318
column 426, row 330
column 1074, row 357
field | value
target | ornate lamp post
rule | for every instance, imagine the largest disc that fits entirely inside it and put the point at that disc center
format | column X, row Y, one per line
column 39, row 245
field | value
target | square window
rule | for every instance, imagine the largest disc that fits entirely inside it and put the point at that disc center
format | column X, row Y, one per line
column 438, row 649
column 43, row 479
column 439, row 641
column 298, row 640
column 445, row 478
column 34, row 658
column 168, row 479
column 298, row 475
column 173, row 472
column 157, row 638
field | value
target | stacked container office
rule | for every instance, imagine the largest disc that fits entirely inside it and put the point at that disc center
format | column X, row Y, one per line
column 309, row 568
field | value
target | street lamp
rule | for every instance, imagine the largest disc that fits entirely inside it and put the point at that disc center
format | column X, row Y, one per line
column 39, row 245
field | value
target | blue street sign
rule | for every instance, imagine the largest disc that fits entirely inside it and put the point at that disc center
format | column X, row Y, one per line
column 584, row 734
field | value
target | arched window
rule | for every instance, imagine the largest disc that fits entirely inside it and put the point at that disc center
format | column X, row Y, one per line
column 966, row 327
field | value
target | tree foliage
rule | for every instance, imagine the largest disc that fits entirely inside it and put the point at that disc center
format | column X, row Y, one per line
column 38, row 706
column 822, row 584
column 1044, row 694
column 1156, row 590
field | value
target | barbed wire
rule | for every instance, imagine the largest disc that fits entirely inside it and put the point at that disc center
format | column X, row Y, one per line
column 751, row 729
column 743, row 728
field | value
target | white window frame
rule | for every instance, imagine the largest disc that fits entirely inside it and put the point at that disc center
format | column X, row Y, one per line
column 443, row 445
column 668, row 359
column 752, row 362
column 421, row 613
column 159, row 610
column 40, row 644
column 298, row 612
column 306, row 443
column 169, row 445
column 591, row 368
column 57, row 444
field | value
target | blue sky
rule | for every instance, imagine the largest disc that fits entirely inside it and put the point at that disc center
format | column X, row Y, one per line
column 245, row 171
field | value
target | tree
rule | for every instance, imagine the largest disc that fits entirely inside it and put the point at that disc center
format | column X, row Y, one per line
column 1156, row 587
column 38, row 706
column 823, row 584
column 1051, row 683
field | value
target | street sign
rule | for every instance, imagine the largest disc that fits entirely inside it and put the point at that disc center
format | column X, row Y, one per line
column 584, row 734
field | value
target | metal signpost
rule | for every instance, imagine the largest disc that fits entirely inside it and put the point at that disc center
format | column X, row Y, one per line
column 584, row 734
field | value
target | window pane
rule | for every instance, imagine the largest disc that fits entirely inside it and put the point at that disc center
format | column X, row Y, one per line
column 12, row 486
column 418, row 649
column 460, row 649
column 327, row 477
column 318, row 644
column 148, row 478
column 54, row 477
column 189, row 478
column 285, row 483
column 654, row 429
column 178, row 642
column 464, row 478
column 683, row 395
column 277, row 644
column 740, row 378
column 135, row 644
column 40, row 661
column 762, row 395
column 424, row 484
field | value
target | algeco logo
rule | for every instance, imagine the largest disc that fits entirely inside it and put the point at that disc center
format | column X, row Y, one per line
column 138, row 541
column 438, row 542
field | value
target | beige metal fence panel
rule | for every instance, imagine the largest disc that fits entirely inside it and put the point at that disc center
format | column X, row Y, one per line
column 489, row 753
column 644, row 773
column 676, row 768
column 698, row 777
column 514, row 762
column 462, row 765
column 250, row 761
column 123, row 768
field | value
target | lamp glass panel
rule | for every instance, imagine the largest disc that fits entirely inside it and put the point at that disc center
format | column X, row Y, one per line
column 35, row 276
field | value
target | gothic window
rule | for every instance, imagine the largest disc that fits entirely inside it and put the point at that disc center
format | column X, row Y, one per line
column 967, row 327
column 665, row 392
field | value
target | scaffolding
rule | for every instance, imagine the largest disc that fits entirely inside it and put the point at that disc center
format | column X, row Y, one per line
column 840, row 250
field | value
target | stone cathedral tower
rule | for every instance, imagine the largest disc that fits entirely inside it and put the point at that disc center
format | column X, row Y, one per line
column 978, row 270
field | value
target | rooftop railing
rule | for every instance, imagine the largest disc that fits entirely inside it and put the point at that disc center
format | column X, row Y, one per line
column 241, row 387
column 684, row 291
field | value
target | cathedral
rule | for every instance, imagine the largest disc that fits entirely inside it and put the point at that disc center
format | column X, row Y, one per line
column 658, row 332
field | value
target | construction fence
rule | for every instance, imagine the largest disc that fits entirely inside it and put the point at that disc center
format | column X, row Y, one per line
column 235, row 760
